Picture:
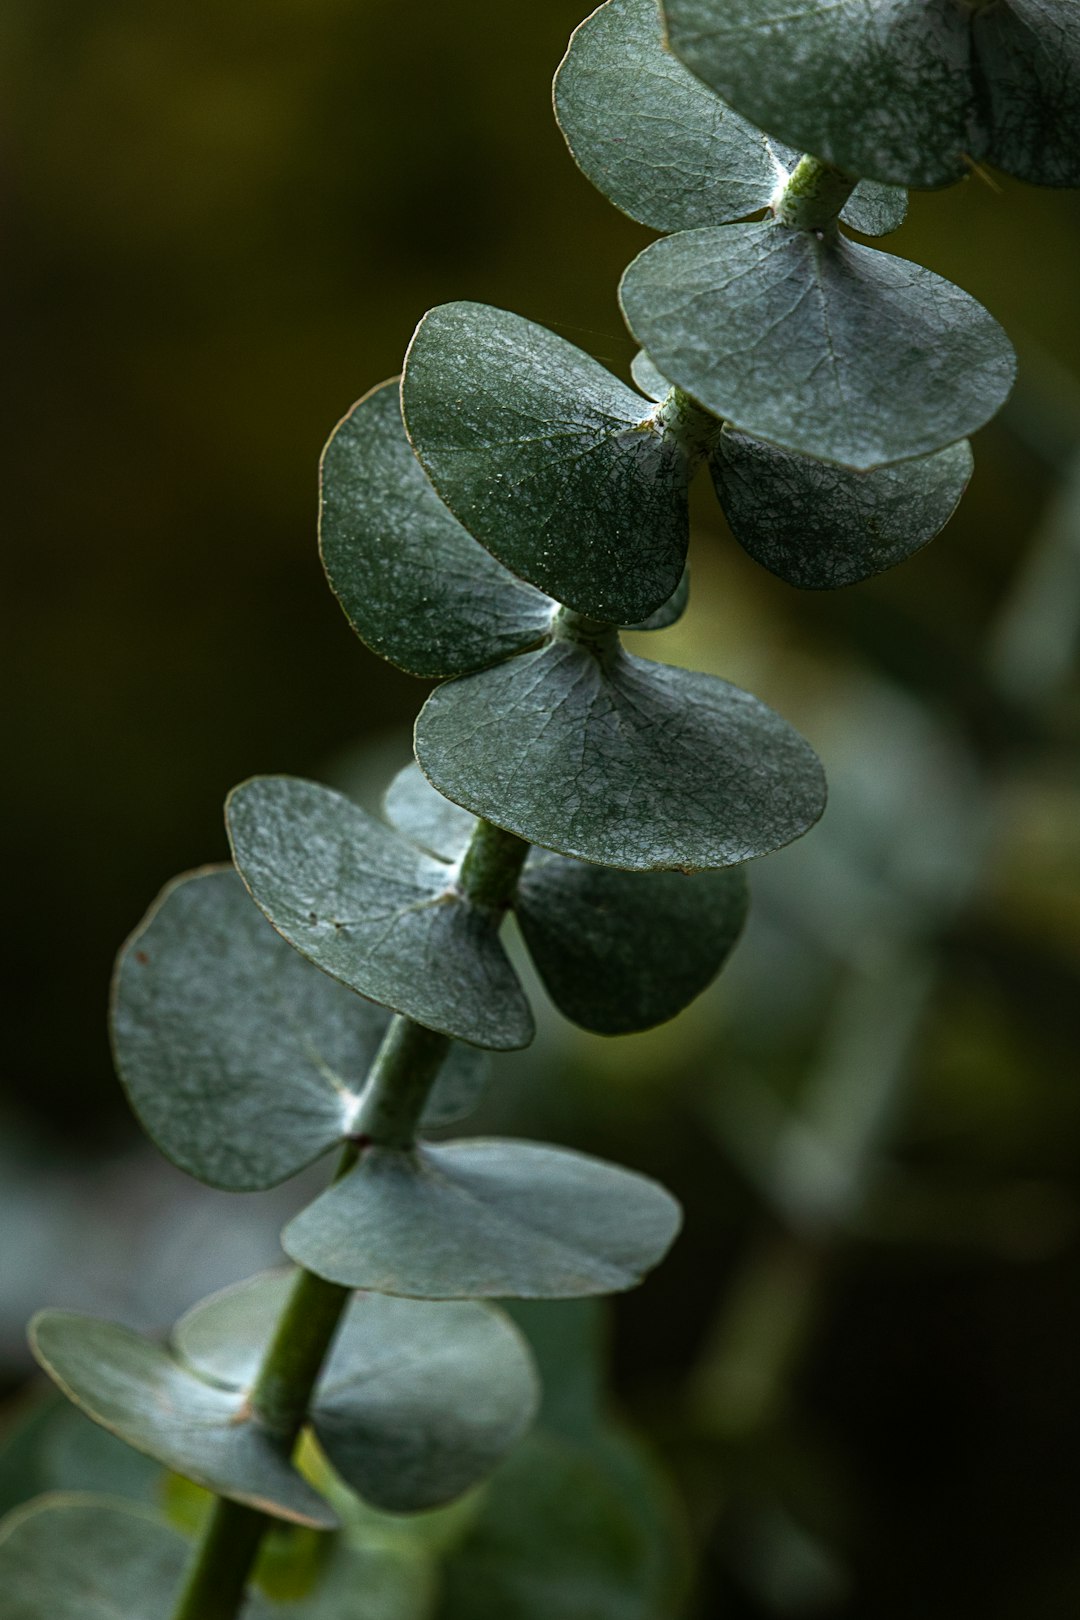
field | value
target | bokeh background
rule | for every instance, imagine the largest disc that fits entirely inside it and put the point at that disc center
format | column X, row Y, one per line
column 219, row 224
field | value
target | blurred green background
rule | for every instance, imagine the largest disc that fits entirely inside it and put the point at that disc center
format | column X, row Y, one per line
column 220, row 224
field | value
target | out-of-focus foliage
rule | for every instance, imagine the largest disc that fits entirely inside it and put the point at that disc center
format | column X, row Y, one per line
column 579, row 1485
column 221, row 223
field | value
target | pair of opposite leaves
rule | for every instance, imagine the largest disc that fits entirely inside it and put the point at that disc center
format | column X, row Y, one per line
column 909, row 92
column 801, row 338
column 419, row 1399
column 567, row 476
column 67, row 1556
column 245, row 1063
column 550, row 730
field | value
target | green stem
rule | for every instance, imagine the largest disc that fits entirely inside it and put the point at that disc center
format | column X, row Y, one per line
column 403, row 1073
column 814, row 195
column 216, row 1583
column 281, row 1393
column 599, row 637
column 694, row 427
column 492, row 865
column 397, row 1087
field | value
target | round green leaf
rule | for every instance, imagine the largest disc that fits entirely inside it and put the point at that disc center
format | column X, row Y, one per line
column 559, row 469
column 816, row 343
column 820, row 527
column 621, row 761
column 242, row 1061
column 436, row 824
column 661, row 145
column 139, row 1391
column 618, row 951
column 414, row 584
column 1026, row 69
column 671, row 611
column 74, row 1557
column 655, row 140
column 622, row 951
column 906, row 91
column 482, row 1219
column 648, row 378
column 373, row 911
column 875, row 210
column 418, row 1401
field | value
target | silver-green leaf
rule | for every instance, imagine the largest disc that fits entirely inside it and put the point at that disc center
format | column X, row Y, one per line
column 671, row 611
column 648, row 378
column 436, row 824
column 415, row 585
column 622, row 951
column 874, row 209
column 242, row 1061
column 653, row 138
column 905, row 91
column 620, row 761
column 818, row 344
column 559, row 469
column 485, row 1219
column 617, row 951
column 418, row 1401
column 820, row 527
column 139, row 1391
column 374, row 911
column 663, row 146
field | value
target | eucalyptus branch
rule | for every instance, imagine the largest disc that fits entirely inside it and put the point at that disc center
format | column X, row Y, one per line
column 492, row 523
column 397, row 1088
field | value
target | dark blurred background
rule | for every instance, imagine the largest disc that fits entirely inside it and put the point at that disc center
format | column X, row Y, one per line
column 220, row 224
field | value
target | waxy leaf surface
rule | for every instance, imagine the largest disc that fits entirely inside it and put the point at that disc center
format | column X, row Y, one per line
column 621, row 951
column 875, row 210
column 374, row 911
column 617, row 951
column 419, row 1400
column 438, row 825
column 485, row 1218
column 816, row 343
column 648, row 378
column 139, row 1391
column 663, row 146
column 907, row 91
column 415, row 585
column 671, row 611
column 243, row 1061
column 556, row 466
column 819, row 526
column 620, row 761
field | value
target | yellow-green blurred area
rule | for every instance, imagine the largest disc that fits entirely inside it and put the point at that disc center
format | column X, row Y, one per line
column 219, row 225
